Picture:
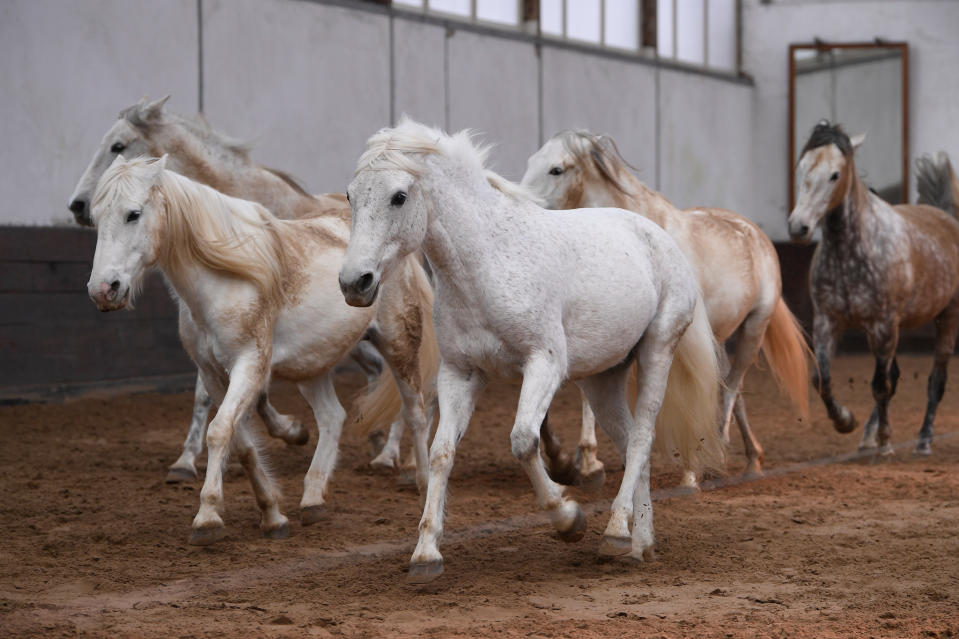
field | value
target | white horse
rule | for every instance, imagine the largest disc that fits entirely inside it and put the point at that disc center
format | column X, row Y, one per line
column 261, row 295
column 200, row 153
column 734, row 261
column 544, row 296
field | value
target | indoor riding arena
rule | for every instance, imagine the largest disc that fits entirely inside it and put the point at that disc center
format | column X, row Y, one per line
column 479, row 318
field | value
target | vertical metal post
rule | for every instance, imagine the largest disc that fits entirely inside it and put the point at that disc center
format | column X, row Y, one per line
column 675, row 29
column 705, row 33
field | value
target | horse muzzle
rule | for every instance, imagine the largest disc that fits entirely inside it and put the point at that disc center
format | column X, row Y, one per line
column 361, row 289
column 109, row 296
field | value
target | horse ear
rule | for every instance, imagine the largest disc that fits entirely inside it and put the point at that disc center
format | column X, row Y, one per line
column 161, row 163
column 857, row 140
column 152, row 110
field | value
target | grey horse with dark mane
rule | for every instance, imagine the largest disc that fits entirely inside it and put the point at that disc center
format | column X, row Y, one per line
column 880, row 268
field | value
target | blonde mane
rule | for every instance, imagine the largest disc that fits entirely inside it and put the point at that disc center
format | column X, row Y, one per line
column 404, row 146
column 600, row 152
column 202, row 226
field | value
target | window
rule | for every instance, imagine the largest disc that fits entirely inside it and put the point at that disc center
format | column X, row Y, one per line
column 501, row 12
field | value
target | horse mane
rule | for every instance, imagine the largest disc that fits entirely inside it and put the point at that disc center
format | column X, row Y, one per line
column 404, row 146
column 203, row 226
column 824, row 134
column 601, row 151
column 290, row 181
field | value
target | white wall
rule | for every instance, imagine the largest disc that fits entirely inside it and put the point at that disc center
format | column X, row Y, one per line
column 929, row 26
column 66, row 70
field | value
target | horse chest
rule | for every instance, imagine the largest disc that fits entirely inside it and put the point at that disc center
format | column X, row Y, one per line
column 850, row 286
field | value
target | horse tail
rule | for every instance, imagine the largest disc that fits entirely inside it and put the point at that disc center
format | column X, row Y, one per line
column 383, row 403
column 688, row 422
column 786, row 351
column 937, row 183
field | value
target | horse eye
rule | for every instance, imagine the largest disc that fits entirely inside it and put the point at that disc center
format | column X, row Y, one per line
column 398, row 199
column 556, row 170
column 834, row 177
column 133, row 216
column 117, row 147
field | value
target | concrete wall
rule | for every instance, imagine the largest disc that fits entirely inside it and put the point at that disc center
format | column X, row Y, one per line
column 930, row 28
column 67, row 68
column 308, row 82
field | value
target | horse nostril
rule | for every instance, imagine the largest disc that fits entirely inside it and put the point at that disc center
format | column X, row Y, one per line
column 115, row 285
column 804, row 230
column 78, row 206
column 364, row 282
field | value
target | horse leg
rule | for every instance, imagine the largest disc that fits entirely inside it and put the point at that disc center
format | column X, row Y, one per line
column 825, row 333
column 329, row 415
column 458, row 391
column 389, row 456
column 235, row 396
column 883, row 339
column 871, row 427
column 541, row 380
column 184, row 468
column 754, row 452
column 560, row 466
column 592, row 472
column 748, row 343
column 279, row 425
column 607, row 392
column 947, row 324
column 273, row 523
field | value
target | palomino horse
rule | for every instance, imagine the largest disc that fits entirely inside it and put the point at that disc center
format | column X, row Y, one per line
column 262, row 296
column 527, row 293
column 878, row 267
column 734, row 261
column 198, row 152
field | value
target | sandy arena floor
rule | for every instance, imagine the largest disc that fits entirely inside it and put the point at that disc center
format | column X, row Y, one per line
column 95, row 541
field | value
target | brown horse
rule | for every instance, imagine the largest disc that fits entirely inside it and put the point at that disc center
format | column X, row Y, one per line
column 735, row 264
column 879, row 268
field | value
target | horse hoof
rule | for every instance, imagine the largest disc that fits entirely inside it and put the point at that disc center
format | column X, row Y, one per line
column 615, row 546
column 382, row 465
column 576, row 531
column 407, row 477
column 377, row 440
column 593, row 480
column 177, row 475
column 886, row 451
column 846, row 422
column 923, row 448
column 647, row 556
column 277, row 532
column 303, row 438
column 424, row 572
column 207, row 536
column 310, row 515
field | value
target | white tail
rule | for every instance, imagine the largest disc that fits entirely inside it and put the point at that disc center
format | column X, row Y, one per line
column 382, row 404
column 688, row 422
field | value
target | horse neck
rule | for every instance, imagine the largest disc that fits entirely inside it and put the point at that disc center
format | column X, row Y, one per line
column 845, row 228
column 230, row 171
column 461, row 214
column 640, row 198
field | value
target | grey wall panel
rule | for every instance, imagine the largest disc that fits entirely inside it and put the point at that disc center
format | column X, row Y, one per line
column 493, row 88
column 419, row 81
column 605, row 96
column 706, row 129
column 67, row 68
column 308, row 83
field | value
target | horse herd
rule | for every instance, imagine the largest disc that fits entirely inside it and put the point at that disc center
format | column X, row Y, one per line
column 274, row 282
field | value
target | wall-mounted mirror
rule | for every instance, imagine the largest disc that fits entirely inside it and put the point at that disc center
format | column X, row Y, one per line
column 865, row 88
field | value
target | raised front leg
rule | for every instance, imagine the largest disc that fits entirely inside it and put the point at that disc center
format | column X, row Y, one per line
column 947, row 325
column 458, row 391
column 883, row 339
column 329, row 414
column 279, row 425
column 246, row 380
column 541, row 379
column 825, row 333
column 184, row 468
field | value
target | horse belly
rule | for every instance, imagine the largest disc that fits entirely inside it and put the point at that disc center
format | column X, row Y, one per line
column 315, row 333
